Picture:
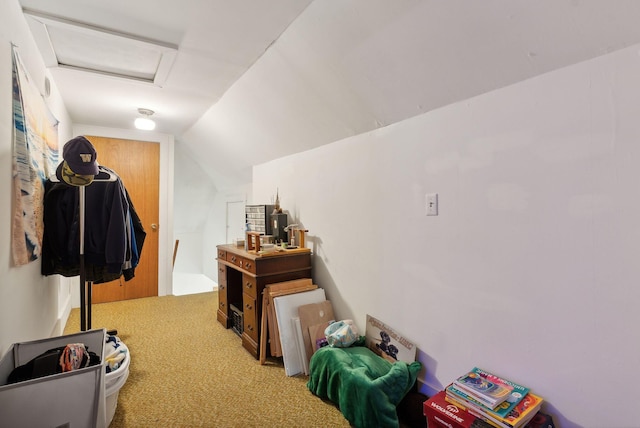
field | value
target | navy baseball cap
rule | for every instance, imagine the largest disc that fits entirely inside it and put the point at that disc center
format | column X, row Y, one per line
column 80, row 156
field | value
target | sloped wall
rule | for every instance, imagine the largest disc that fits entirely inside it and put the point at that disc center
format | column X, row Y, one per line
column 529, row 270
column 343, row 68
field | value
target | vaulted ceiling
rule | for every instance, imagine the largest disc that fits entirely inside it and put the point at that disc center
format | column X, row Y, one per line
column 240, row 83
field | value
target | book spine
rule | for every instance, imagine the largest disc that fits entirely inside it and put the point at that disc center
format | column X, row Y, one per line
column 462, row 395
column 500, row 412
column 525, row 420
column 474, row 407
column 476, row 412
column 481, row 398
column 459, row 394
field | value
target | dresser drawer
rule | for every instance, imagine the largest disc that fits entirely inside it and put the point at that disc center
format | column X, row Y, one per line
column 249, row 265
column 250, row 316
column 249, row 285
column 235, row 260
column 222, row 254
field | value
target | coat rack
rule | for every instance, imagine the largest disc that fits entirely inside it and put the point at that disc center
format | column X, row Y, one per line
column 85, row 287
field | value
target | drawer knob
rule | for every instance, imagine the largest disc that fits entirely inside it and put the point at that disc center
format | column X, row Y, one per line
column 221, row 287
column 247, row 265
column 249, row 327
column 233, row 259
column 222, row 304
column 249, row 285
column 248, row 306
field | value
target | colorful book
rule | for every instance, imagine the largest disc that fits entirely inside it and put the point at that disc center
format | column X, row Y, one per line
column 485, row 387
column 474, row 412
column 503, row 409
column 518, row 417
column 524, row 411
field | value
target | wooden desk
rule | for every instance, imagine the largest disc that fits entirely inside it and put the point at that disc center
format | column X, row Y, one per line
column 242, row 277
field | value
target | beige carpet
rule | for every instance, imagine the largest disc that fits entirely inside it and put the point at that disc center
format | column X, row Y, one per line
column 188, row 371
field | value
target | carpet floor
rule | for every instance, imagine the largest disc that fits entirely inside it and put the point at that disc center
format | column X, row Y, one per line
column 187, row 370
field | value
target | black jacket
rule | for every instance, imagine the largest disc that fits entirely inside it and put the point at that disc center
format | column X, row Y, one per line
column 113, row 232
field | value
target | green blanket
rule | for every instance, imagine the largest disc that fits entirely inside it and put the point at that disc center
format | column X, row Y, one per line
column 366, row 387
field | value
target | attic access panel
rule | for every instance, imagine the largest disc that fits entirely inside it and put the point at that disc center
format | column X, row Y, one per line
column 75, row 45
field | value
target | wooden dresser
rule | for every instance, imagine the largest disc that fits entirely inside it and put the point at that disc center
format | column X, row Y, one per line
column 242, row 277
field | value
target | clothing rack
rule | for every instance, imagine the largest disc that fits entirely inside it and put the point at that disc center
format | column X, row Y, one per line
column 85, row 287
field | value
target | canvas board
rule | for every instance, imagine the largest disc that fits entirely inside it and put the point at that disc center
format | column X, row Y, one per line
column 388, row 343
column 276, row 290
column 302, row 354
column 313, row 315
column 286, row 308
column 318, row 339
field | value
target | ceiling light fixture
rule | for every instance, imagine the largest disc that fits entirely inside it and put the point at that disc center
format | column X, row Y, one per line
column 145, row 123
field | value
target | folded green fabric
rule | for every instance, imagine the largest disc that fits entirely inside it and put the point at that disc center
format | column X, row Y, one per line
column 365, row 386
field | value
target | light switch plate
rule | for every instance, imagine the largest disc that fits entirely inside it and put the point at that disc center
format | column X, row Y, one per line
column 432, row 203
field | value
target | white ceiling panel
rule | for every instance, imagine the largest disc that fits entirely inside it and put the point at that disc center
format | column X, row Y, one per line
column 251, row 81
column 176, row 58
column 79, row 45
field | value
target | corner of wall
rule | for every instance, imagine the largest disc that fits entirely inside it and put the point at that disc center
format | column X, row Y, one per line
column 427, row 389
column 61, row 322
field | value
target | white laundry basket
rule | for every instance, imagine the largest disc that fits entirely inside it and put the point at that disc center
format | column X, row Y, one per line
column 113, row 381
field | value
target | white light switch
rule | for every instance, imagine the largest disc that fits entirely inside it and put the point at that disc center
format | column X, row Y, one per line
column 432, row 204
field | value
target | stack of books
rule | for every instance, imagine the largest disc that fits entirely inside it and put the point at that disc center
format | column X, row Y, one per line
column 497, row 401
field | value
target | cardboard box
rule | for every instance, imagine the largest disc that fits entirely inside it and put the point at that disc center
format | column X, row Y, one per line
column 442, row 414
column 74, row 399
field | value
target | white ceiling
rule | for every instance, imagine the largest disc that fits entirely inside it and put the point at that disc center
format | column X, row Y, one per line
column 217, row 40
column 253, row 81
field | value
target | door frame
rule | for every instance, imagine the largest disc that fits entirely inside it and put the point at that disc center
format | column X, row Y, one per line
column 232, row 199
column 165, row 201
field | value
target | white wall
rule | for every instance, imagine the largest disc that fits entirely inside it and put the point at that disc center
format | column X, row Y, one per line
column 193, row 196
column 31, row 306
column 530, row 269
column 200, row 214
column 214, row 230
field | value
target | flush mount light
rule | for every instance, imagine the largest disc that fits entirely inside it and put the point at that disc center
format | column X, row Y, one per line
column 145, row 123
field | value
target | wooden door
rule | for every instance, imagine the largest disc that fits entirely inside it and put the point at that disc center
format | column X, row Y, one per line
column 138, row 165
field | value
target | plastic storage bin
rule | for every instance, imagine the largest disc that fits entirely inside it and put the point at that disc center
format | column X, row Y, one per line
column 73, row 399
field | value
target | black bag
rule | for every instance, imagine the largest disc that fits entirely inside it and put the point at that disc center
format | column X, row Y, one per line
column 46, row 364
